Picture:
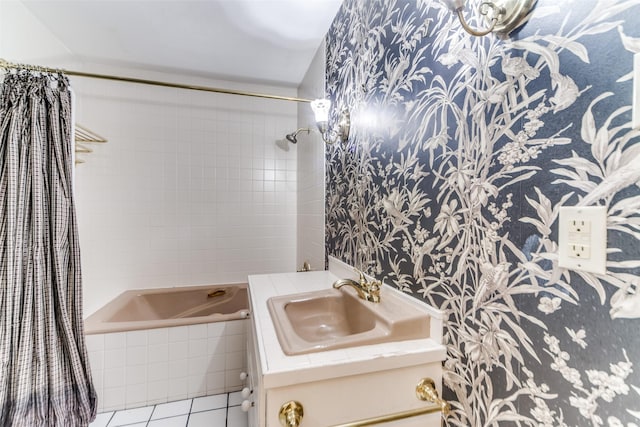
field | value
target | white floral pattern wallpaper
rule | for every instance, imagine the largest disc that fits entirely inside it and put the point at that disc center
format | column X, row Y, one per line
column 462, row 150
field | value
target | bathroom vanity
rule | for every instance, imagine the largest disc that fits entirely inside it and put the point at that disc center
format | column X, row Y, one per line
column 370, row 371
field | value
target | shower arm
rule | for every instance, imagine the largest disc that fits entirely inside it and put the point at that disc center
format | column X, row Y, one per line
column 293, row 136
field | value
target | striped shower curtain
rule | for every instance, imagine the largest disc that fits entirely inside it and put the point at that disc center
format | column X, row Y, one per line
column 44, row 371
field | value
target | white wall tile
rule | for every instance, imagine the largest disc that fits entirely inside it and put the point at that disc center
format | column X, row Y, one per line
column 216, row 362
column 158, row 371
column 96, row 360
column 232, row 380
column 157, row 391
column 178, row 351
column 178, row 368
column 157, row 353
column 98, row 380
column 94, row 342
column 197, row 332
column 135, row 395
column 136, row 338
column 175, row 165
column 135, row 374
column 197, row 386
column 115, row 341
column 198, row 366
column 178, row 334
column 216, row 345
column 136, row 356
column 235, row 327
column 235, row 343
column 235, row 361
column 114, row 378
column 114, row 398
column 178, row 388
column 197, row 347
column 158, row 336
column 216, row 382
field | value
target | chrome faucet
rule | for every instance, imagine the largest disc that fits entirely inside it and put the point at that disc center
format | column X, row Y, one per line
column 368, row 291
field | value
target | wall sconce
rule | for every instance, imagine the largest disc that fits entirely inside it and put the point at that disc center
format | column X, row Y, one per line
column 504, row 15
column 321, row 108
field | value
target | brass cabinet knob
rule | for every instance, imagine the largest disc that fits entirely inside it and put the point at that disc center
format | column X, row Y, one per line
column 291, row 414
column 426, row 390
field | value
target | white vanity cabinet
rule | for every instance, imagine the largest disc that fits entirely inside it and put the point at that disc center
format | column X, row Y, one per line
column 351, row 398
column 338, row 386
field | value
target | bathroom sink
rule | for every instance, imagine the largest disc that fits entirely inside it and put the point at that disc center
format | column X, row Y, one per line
column 329, row 315
column 337, row 318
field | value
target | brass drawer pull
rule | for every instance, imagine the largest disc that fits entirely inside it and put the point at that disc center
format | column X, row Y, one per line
column 426, row 390
column 291, row 414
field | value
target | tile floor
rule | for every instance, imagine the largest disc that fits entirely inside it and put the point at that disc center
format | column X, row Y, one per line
column 220, row 410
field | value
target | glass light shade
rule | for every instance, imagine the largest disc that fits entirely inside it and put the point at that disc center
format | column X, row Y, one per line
column 320, row 108
column 454, row 5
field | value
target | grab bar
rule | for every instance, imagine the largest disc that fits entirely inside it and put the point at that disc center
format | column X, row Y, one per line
column 217, row 293
column 392, row 417
column 425, row 390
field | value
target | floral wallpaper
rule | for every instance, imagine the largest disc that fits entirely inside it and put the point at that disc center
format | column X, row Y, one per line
column 462, row 151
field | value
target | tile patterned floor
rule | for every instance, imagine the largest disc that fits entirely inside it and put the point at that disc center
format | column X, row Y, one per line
column 220, row 410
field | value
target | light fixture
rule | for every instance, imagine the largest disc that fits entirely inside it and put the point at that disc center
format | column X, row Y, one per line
column 321, row 109
column 504, row 15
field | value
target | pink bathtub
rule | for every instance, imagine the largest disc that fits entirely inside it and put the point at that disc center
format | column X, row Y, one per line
column 167, row 307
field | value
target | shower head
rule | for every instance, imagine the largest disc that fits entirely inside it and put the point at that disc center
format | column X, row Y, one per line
column 293, row 136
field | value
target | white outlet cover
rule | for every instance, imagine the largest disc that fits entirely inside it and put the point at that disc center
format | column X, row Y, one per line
column 636, row 91
column 595, row 237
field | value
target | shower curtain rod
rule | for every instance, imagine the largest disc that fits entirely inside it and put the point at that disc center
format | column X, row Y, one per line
column 6, row 64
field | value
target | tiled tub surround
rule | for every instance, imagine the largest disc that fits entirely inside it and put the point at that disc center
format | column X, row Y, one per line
column 139, row 368
column 204, row 191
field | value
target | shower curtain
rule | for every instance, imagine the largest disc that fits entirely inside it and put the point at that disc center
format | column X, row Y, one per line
column 44, row 371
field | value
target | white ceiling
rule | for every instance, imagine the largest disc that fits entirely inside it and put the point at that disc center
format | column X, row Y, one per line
column 267, row 41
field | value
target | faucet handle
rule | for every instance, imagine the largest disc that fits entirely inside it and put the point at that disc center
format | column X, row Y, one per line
column 374, row 290
column 363, row 280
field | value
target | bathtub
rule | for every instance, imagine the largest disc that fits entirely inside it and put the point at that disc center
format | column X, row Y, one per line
column 161, row 308
column 159, row 345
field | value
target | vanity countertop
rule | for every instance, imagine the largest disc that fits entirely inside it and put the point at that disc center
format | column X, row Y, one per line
column 279, row 369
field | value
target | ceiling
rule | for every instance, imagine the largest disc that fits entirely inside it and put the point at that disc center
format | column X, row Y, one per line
column 266, row 41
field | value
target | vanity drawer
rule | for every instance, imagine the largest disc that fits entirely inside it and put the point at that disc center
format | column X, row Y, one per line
column 358, row 397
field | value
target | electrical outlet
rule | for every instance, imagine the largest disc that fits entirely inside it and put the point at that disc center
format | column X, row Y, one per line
column 582, row 238
column 578, row 250
column 579, row 226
